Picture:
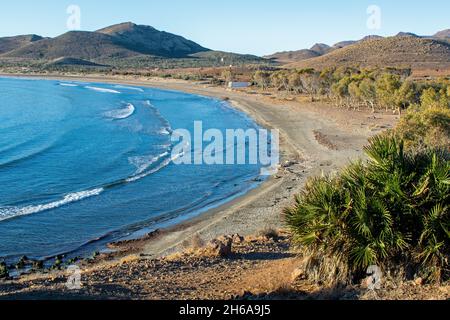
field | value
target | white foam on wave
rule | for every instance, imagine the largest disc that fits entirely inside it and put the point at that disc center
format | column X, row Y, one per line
column 137, row 177
column 68, row 85
column 129, row 88
column 12, row 212
column 167, row 129
column 142, row 163
column 162, row 165
column 104, row 90
column 124, row 113
column 165, row 132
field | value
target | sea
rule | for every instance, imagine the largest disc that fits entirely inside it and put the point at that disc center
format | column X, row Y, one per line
column 86, row 164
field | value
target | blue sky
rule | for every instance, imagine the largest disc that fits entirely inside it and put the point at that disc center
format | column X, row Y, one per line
column 243, row 26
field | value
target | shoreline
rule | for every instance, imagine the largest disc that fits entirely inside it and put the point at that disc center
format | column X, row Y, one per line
column 259, row 208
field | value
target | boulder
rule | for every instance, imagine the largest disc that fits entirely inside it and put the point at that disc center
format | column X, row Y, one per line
column 221, row 247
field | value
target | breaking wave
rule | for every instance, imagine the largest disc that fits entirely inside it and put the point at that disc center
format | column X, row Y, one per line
column 129, row 88
column 68, row 85
column 104, row 90
column 142, row 163
column 13, row 212
column 120, row 114
column 160, row 166
column 166, row 128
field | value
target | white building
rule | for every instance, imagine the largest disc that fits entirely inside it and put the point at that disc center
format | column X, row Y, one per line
column 236, row 85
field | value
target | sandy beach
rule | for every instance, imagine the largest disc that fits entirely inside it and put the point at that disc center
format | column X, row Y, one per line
column 315, row 138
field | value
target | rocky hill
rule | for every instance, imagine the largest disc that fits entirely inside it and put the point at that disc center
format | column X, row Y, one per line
column 74, row 44
column 148, row 40
column 444, row 34
column 319, row 49
column 118, row 41
column 399, row 51
column 405, row 49
column 292, row 56
column 12, row 43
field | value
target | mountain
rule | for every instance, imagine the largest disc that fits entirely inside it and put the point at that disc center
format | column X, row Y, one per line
column 321, row 48
column 398, row 51
column 405, row 49
column 148, row 40
column 75, row 44
column 118, row 41
column 370, row 37
column 407, row 34
column 444, row 34
column 125, row 45
column 292, row 56
column 317, row 50
column 343, row 44
column 12, row 43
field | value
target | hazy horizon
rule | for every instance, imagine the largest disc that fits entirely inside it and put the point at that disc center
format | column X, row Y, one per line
column 253, row 27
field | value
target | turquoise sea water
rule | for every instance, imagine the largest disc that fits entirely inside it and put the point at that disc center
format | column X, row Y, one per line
column 84, row 164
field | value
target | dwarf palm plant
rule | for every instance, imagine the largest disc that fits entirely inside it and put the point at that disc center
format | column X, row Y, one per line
column 393, row 206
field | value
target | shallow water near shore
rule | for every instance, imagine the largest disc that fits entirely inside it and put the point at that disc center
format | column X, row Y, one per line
column 84, row 164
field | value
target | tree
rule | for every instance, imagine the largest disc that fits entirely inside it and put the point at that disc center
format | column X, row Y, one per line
column 368, row 93
column 295, row 82
column 262, row 79
column 280, row 81
column 340, row 90
column 387, row 85
column 444, row 100
column 227, row 75
column 310, row 81
column 354, row 94
column 430, row 97
column 326, row 79
column 405, row 95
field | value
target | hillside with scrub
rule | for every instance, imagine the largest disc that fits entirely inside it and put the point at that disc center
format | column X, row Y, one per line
column 400, row 51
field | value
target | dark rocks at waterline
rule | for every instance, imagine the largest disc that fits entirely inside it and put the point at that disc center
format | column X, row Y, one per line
column 58, row 262
column 22, row 263
column 4, row 273
column 38, row 265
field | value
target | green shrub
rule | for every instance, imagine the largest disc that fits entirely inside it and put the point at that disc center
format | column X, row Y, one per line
column 393, row 208
column 424, row 126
